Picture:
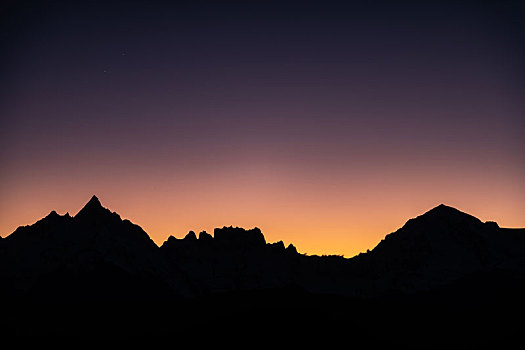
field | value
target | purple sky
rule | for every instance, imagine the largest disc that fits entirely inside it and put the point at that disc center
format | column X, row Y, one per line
column 101, row 96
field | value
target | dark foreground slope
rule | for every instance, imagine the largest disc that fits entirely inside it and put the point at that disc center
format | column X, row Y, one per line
column 443, row 279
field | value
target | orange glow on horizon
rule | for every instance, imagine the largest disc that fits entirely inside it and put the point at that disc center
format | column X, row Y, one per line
column 334, row 216
column 327, row 127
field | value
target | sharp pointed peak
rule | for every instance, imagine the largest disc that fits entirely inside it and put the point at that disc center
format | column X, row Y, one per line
column 94, row 201
column 92, row 206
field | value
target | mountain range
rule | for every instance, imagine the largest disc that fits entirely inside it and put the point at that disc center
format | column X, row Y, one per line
column 443, row 257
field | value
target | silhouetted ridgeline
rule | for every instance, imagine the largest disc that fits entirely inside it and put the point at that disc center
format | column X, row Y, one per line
column 444, row 267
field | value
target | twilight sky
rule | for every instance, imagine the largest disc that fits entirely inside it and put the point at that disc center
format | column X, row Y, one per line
column 326, row 125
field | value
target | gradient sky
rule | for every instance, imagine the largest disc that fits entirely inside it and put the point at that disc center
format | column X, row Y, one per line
column 326, row 125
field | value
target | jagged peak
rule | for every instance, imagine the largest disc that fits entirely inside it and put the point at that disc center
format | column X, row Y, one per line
column 94, row 202
column 93, row 208
column 291, row 249
column 53, row 217
column 205, row 237
column 52, row 214
column 170, row 240
column 190, row 236
column 239, row 235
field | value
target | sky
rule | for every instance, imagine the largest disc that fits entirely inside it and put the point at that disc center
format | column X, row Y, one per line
column 326, row 125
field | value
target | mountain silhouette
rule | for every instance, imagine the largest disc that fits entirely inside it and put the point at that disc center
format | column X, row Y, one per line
column 442, row 260
column 94, row 254
column 442, row 246
column 232, row 259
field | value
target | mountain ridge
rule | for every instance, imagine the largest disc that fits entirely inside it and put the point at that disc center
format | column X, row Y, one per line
column 442, row 278
column 431, row 250
column 95, row 208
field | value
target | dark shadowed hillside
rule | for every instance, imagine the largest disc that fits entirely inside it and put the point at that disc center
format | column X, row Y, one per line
column 94, row 254
column 439, row 247
column 444, row 274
